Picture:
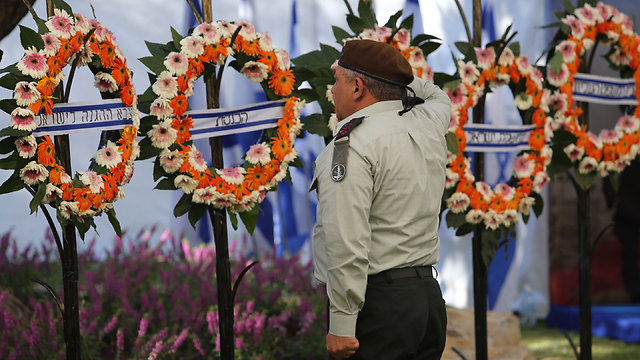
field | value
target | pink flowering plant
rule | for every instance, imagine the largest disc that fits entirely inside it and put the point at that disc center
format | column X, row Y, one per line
column 154, row 297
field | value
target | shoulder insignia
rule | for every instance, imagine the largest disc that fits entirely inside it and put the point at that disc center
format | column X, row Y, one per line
column 348, row 127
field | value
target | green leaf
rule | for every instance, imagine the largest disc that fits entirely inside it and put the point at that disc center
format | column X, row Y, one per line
column 614, row 182
column 368, row 16
column 233, row 219
column 407, row 23
column 10, row 80
column 183, row 205
column 560, row 162
column 196, row 213
column 393, row 20
column 154, row 63
column 250, row 218
column 175, row 35
column 467, row 50
column 156, row 49
column 355, row 23
column 585, row 180
column 490, row 244
column 515, row 47
column 563, row 138
column 297, row 163
column 60, row 4
column 7, row 145
column 165, row 184
column 316, row 124
column 465, row 229
column 111, row 214
column 30, row 38
column 422, row 38
column 452, row 85
column 37, row 198
column 556, row 62
column 147, row 150
column 569, row 6
column 455, row 220
column 340, row 34
column 11, row 69
column 12, row 162
column 538, row 205
column 13, row 183
column 429, row 47
column 441, row 78
column 158, row 171
column 9, row 131
column 330, row 52
column 452, row 142
column 8, row 105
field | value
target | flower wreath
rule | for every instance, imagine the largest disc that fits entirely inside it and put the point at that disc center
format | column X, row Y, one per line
column 237, row 189
column 37, row 83
column 473, row 202
column 612, row 150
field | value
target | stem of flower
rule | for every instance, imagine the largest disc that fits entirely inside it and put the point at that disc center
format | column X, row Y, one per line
column 346, row 2
column 52, row 226
column 33, row 12
column 219, row 78
column 464, row 20
column 67, row 90
column 196, row 13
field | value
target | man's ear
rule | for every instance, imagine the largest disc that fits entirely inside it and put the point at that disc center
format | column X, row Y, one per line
column 358, row 88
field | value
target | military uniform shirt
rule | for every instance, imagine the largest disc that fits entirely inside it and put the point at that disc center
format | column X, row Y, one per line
column 384, row 213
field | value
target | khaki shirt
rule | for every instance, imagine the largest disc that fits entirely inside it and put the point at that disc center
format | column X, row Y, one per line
column 384, row 214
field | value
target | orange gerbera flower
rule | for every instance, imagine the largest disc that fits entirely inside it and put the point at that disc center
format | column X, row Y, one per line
column 107, row 54
column 44, row 102
column 65, row 50
column 110, row 187
column 126, row 95
column 465, row 186
column 196, row 67
column 538, row 118
column 526, row 185
column 623, row 146
column 282, row 82
column 67, row 191
column 183, row 84
column 120, row 73
column 118, row 172
column 55, row 65
column 55, row 174
column 268, row 58
column 214, row 51
column 241, row 191
column 46, row 152
column 536, row 139
column 284, row 127
column 272, row 168
column 477, row 201
column 182, row 125
column 459, row 165
column 280, row 147
column 251, row 48
column 609, row 152
column 256, row 176
column 179, row 104
column 75, row 43
column 225, row 188
column 461, row 140
column 83, row 198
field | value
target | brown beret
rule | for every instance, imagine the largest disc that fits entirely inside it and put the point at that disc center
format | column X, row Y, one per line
column 378, row 60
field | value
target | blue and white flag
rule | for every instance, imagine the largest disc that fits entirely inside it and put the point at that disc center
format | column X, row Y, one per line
column 492, row 137
column 604, row 90
column 76, row 117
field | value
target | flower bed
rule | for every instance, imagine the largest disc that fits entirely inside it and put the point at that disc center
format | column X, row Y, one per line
column 148, row 301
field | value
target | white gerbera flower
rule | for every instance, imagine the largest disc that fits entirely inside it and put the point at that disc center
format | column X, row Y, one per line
column 234, row 175
column 68, row 208
column 587, row 165
column 92, row 180
column 105, row 82
column 33, row 64
column 26, row 146
column 451, row 179
column 166, row 86
column 177, row 63
column 458, row 202
column 51, row 44
column 510, row 216
column 525, row 205
column 82, row 23
column 108, row 156
column 208, row 32
column 474, row 216
column 23, row 119
column 266, row 44
column 493, row 219
column 523, row 101
column 161, row 109
column 26, row 93
column 540, row 180
column 196, row 160
column 204, row 195
column 259, row 153
column 523, row 167
column 52, row 192
column 255, row 71
column 192, row 46
column 284, row 61
column 171, row 161
column 333, row 123
column 33, row 173
column 507, row 57
column 60, row 24
column 163, row 135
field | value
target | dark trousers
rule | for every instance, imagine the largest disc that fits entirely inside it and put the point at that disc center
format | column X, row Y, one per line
column 402, row 319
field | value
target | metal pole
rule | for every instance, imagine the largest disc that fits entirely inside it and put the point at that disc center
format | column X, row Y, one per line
column 479, row 267
column 219, row 223
column 69, row 256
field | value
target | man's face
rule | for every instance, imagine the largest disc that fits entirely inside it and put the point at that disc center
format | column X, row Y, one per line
column 342, row 91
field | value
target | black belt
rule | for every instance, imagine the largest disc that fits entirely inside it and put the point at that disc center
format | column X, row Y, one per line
column 402, row 273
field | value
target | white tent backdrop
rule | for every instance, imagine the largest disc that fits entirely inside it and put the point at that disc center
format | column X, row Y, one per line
column 132, row 22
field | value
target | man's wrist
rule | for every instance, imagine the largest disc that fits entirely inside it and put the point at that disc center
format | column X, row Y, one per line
column 341, row 324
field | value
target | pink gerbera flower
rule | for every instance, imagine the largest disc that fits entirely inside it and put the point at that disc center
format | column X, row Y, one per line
column 177, row 63
column 484, row 189
column 506, row 58
column 204, row 195
column 255, row 71
column 284, row 61
column 567, row 49
column 208, row 33
column 587, row 165
column 628, row 124
column 108, row 156
column 577, row 28
column 525, row 205
column 162, row 135
column 166, row 86
column 247, row 27
column 258, row 153
column 82, row 23
column 474, row 216
column 60, row 24
column 504, row 191
column 540, row 180
column 26, row 146
column 171, row 161
column 192, row 46
column 33, row 173
column 33, row 64
column 23, row 119
column 609, row 136
column 468, row 71
column 369, row 34
column 403, row 39
column 233, row 175
column 560, row 78
column 523, row 167
column 161, row 109
column 105, row 82
column 586, row 14
column 620, row 58
column 26, row 93
column 196, row 160
column 493, row 219
column 383, row 32
column 456, row 95
column 266, row 44
column 573, row 152
column 52, row 193
column 523, row 65
column 51, row 44
column 486, row 57
column 92, row 180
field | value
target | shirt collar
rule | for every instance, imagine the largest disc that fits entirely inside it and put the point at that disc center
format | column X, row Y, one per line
column 379, row 107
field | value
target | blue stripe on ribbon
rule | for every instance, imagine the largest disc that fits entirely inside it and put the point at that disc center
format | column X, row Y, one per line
column 81, row 126
column 211, row 113
column 216, row 129
column 88, row 107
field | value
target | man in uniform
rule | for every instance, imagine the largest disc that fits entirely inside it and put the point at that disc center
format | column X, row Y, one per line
column 379, row 184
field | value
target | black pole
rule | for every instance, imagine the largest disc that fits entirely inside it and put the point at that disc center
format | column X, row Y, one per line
column 219, row 223
column 584, row 272
column 479, row 267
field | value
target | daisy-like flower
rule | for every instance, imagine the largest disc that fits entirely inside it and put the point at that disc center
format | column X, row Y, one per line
column 468, row 71
column 26, row 146
column 23, row 119
column 108, row 156
column 33, row 64
column 587, row 165
column 540, row 180
column 628, row 124
column 177, row 63
column 208, row 32
column 492, row 219
column 266, row 44
column 403, row 39
column 51, row 44
column 333, row 124
column 506, row 58
column 259, row 153
column 369, row 34
column 451, row 178
column 85, row 54
column 610, row 136
column 162, row 134
column 52, row 193
column 523, row 101
column 504, row 191
column 82, row 23
column 186, row 183
column 92, row 180
column 105, row 82
column 587, row 14
column 192, row 46
column 567, row 49
column 458, row 202
column 577, row 28
column 284, row 61
column 68, row 208
column 60, row 24
column 329, row 94
column 525, row 205
column 234, row 175
column 620, row 58
column 457, row 95
column 383, row 32
column 225, row 28
column 204, row 196
column 486, row 57
column 26, row 93
column 474, row 216
column 484, row 189
column 161, row 109
column 428, row 73
column 282, row 82
column 247, row 28
column 255, row 71
column 33, row 173
column 560, row 78
column 171, row 161
column 523, row 167
column 166, row 86
column 510, row 216
column 196, row 160
column 523, row 65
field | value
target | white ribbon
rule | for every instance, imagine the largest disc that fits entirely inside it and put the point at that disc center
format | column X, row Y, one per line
column 604, row 90
column 217, row 122
column 497, row 138
column 77, row 117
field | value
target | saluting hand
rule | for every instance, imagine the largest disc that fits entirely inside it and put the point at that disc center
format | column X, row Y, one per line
column 341, row 347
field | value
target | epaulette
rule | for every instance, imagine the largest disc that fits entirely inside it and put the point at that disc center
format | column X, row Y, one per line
column 341, row 149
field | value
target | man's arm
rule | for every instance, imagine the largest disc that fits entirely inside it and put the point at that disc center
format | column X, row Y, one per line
column 437, row 104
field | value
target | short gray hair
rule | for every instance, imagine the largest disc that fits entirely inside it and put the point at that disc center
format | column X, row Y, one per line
column 379, row 89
